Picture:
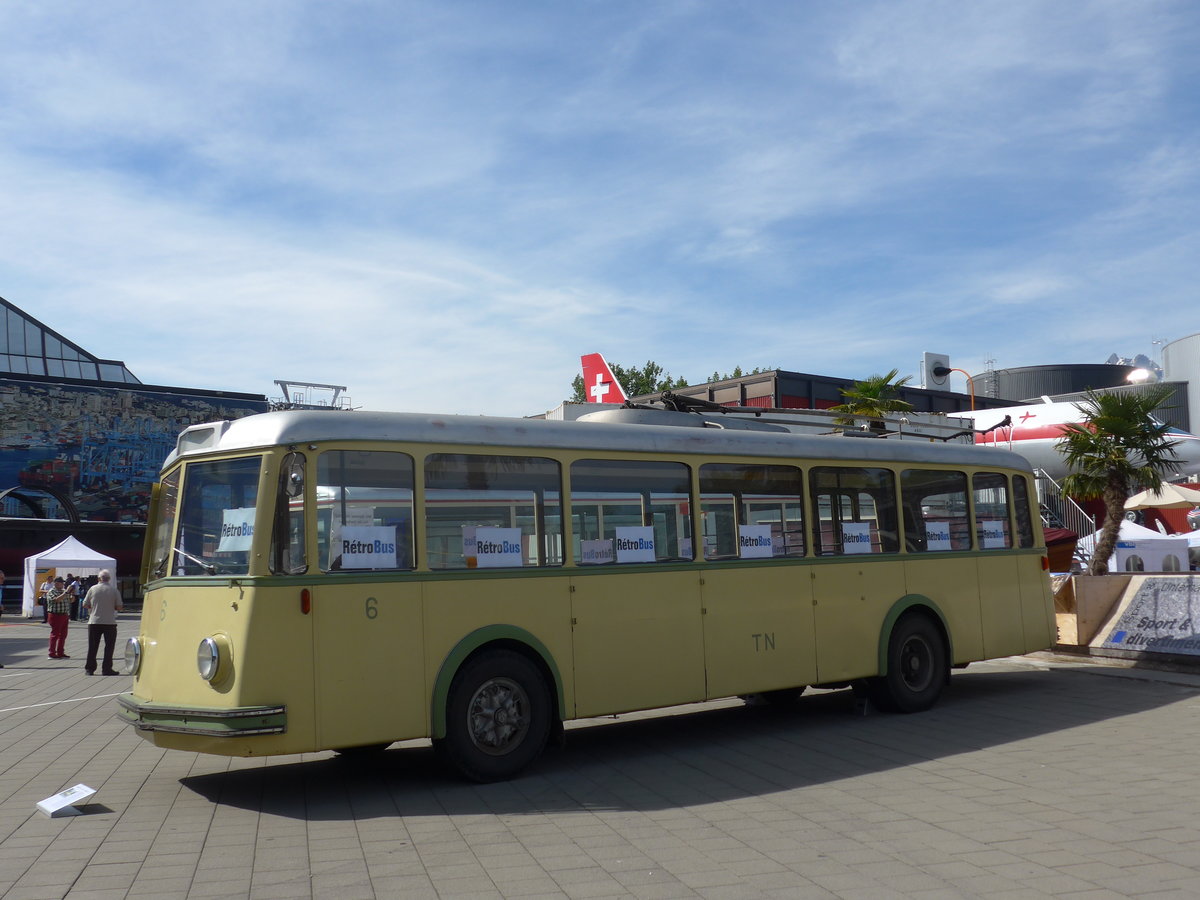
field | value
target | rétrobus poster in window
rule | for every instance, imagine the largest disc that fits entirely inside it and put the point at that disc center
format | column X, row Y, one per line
column 497, row 547
column 856, row 537
column 635, row 543
column 368, row 547
column 237, row 530
column 755, row 541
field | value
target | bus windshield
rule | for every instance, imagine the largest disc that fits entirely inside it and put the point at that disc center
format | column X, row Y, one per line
column 216, row 519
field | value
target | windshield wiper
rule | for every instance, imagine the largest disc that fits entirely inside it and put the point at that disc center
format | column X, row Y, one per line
column 207, row 567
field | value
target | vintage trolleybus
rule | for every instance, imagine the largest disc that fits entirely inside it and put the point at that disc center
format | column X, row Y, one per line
column 338, row 580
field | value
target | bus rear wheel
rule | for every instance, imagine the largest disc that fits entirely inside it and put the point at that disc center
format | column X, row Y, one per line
column 497, row 716
column 916, row 667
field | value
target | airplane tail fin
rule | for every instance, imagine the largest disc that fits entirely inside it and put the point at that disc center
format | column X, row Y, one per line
column 600, row 385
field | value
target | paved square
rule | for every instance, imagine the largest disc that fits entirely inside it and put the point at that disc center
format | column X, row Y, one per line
column 1034, row 777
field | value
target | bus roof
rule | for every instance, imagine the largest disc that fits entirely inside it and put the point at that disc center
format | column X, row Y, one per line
column 301, row 427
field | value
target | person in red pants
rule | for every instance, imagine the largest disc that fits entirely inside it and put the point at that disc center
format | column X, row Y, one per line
column 58, row 613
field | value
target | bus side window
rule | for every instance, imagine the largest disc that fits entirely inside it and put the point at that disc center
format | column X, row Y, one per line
column 936, row 518
column 492, row 511
column 1024, row 510
column 364, row 510
column 990, row 495
column 751, row 511
column 855, row 510
column 630, row 511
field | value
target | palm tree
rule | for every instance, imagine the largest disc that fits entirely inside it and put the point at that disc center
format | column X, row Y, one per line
column 1119, row 448
column 872, row 399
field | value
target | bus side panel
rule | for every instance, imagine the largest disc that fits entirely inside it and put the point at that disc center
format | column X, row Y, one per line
column 851, row 601
column 1000, row 604
column 1037, row 602
column 639, row 643
column 370, row 681
column 263, row 625
column 758, row 629
column 951, row 584
column 455, row 607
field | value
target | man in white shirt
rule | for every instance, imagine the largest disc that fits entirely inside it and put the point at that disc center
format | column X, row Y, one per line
column 102, row 603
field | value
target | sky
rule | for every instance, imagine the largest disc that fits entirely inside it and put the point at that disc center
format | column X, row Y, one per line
column 442, row 205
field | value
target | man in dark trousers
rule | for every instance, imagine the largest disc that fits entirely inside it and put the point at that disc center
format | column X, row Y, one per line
column 102, row 603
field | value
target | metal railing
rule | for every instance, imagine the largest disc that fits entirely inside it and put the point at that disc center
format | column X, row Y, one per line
column 1060, row 511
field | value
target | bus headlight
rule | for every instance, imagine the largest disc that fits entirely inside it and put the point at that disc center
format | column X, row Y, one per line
column 133, row 656
column 213, row 658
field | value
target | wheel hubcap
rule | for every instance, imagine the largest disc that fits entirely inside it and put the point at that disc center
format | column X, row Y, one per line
column 916, row 663
column 498, row 716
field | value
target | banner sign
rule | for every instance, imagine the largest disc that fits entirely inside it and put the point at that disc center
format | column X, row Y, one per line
column 1162, row 617
column 237, row 530
column 856, row 537
column 937, row 536
column 755, row 541
column 635, row 543
column 993, row 535
column 595, row 553
column 368, row 546
column 498, row 547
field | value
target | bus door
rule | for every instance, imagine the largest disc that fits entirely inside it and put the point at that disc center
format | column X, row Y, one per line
column 860, row 575
column 940, row 563
column 370, row 682
column 638, row 640
column 999, row 568
column 366, row 604
column 758, row 612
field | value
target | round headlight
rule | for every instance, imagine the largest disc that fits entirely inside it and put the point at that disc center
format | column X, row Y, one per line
column 133, row 656
column 208, row 659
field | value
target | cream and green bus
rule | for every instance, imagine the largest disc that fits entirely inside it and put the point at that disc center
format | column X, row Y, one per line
column 344, row 580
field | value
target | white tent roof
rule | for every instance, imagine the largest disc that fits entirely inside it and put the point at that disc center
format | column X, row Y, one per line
column 1131, row 531
column 69, row 555
column 1147, row 540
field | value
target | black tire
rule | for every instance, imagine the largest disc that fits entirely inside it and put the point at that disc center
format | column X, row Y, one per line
column 917, row 667
column 497, row 717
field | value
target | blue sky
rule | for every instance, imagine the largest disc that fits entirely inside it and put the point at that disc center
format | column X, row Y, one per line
column 442, row 205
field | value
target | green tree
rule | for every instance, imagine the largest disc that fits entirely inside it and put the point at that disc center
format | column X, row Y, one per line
column 738, row 373
column 872, row 399
column 647, row 379
column 1119, row 448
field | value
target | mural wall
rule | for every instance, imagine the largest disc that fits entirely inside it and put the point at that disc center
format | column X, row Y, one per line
column 100, row 446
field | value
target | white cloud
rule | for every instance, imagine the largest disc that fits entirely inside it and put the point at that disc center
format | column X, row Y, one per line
column 443, row 206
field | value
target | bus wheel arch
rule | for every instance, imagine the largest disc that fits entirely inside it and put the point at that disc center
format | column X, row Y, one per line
column 499, row 715
column 496, row 664
column 914, row 657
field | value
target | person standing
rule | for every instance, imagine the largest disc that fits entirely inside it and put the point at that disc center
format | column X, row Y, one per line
column 43, row 591
column 73, row 590
column 86, row 585
column 58, row 611
column 102, row 602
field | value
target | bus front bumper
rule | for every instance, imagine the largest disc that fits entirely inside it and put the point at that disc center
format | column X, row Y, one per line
column 241, row 721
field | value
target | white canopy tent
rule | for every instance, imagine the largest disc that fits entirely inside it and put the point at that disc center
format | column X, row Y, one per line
column 1141, row 549
column 66, row 557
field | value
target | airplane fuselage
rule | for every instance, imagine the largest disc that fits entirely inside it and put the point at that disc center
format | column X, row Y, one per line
column 1037, row 428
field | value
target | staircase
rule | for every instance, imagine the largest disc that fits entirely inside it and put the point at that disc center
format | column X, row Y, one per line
column 1060, row 511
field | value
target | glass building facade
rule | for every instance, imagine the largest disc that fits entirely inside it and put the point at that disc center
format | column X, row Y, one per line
column 27, row 347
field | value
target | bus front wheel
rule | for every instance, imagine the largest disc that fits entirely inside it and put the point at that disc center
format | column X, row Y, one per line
column 497, row 716
column 916, row 667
